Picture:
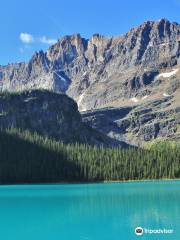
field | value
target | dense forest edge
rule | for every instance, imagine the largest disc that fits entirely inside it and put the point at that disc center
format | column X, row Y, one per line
column 30, row 158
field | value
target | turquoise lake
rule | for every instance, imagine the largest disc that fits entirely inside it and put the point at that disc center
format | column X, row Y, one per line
column 89, row 211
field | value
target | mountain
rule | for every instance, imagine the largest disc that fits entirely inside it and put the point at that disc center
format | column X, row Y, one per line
column 153, row 121
column 138, row 71
column 52, row 115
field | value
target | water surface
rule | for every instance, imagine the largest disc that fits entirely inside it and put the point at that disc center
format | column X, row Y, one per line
column 89, row 211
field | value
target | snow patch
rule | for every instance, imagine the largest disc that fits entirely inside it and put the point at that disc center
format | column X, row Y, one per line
column 134, row 99
column 47, row 67
column 166, row 95
column 167, row 74
column 100, row 59
column 84, row 74
column 163, row 44
column 62, row 78
column 83, row 109
column 80, row 99
column 144, row 97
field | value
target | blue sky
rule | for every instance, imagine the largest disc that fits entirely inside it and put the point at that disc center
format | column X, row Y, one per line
column 28, row 26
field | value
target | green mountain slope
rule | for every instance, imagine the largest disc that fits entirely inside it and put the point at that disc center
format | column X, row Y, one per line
column 31, row 158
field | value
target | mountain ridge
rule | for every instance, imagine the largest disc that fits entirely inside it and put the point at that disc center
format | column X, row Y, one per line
column 139, row 68
column 73, row 64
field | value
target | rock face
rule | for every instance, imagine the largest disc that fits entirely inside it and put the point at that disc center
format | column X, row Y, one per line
column 131, row 70
column 155, row 120
column 50, row 114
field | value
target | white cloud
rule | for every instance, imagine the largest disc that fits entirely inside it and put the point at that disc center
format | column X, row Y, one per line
column 26, row 38
column 47, row 40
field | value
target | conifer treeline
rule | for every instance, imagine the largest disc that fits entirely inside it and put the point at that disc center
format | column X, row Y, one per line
column 29, row 158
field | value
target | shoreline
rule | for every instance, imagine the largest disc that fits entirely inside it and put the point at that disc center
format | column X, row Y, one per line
column 143, row 180
column 95, row 182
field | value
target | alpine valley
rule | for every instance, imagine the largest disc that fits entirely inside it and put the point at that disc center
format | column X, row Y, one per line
column 103, row 91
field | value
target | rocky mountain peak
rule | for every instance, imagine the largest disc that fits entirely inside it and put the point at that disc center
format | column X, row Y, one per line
column 67, row 48
column 39, row 59
column 101, row 70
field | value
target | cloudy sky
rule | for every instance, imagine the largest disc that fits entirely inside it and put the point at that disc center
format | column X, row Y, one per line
column 31, row 25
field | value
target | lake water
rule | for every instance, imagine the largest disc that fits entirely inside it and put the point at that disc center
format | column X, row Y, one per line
column 89, row 211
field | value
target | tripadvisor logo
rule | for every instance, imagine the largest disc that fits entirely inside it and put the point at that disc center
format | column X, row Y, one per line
column 139, row 231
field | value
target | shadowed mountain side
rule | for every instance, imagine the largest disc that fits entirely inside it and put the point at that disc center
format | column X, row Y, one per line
column 105, row 120
column 31, row 158
column 22, row 161
column 50, row 114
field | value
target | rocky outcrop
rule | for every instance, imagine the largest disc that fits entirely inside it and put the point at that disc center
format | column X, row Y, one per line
column 50, row 114
column 155, row 120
